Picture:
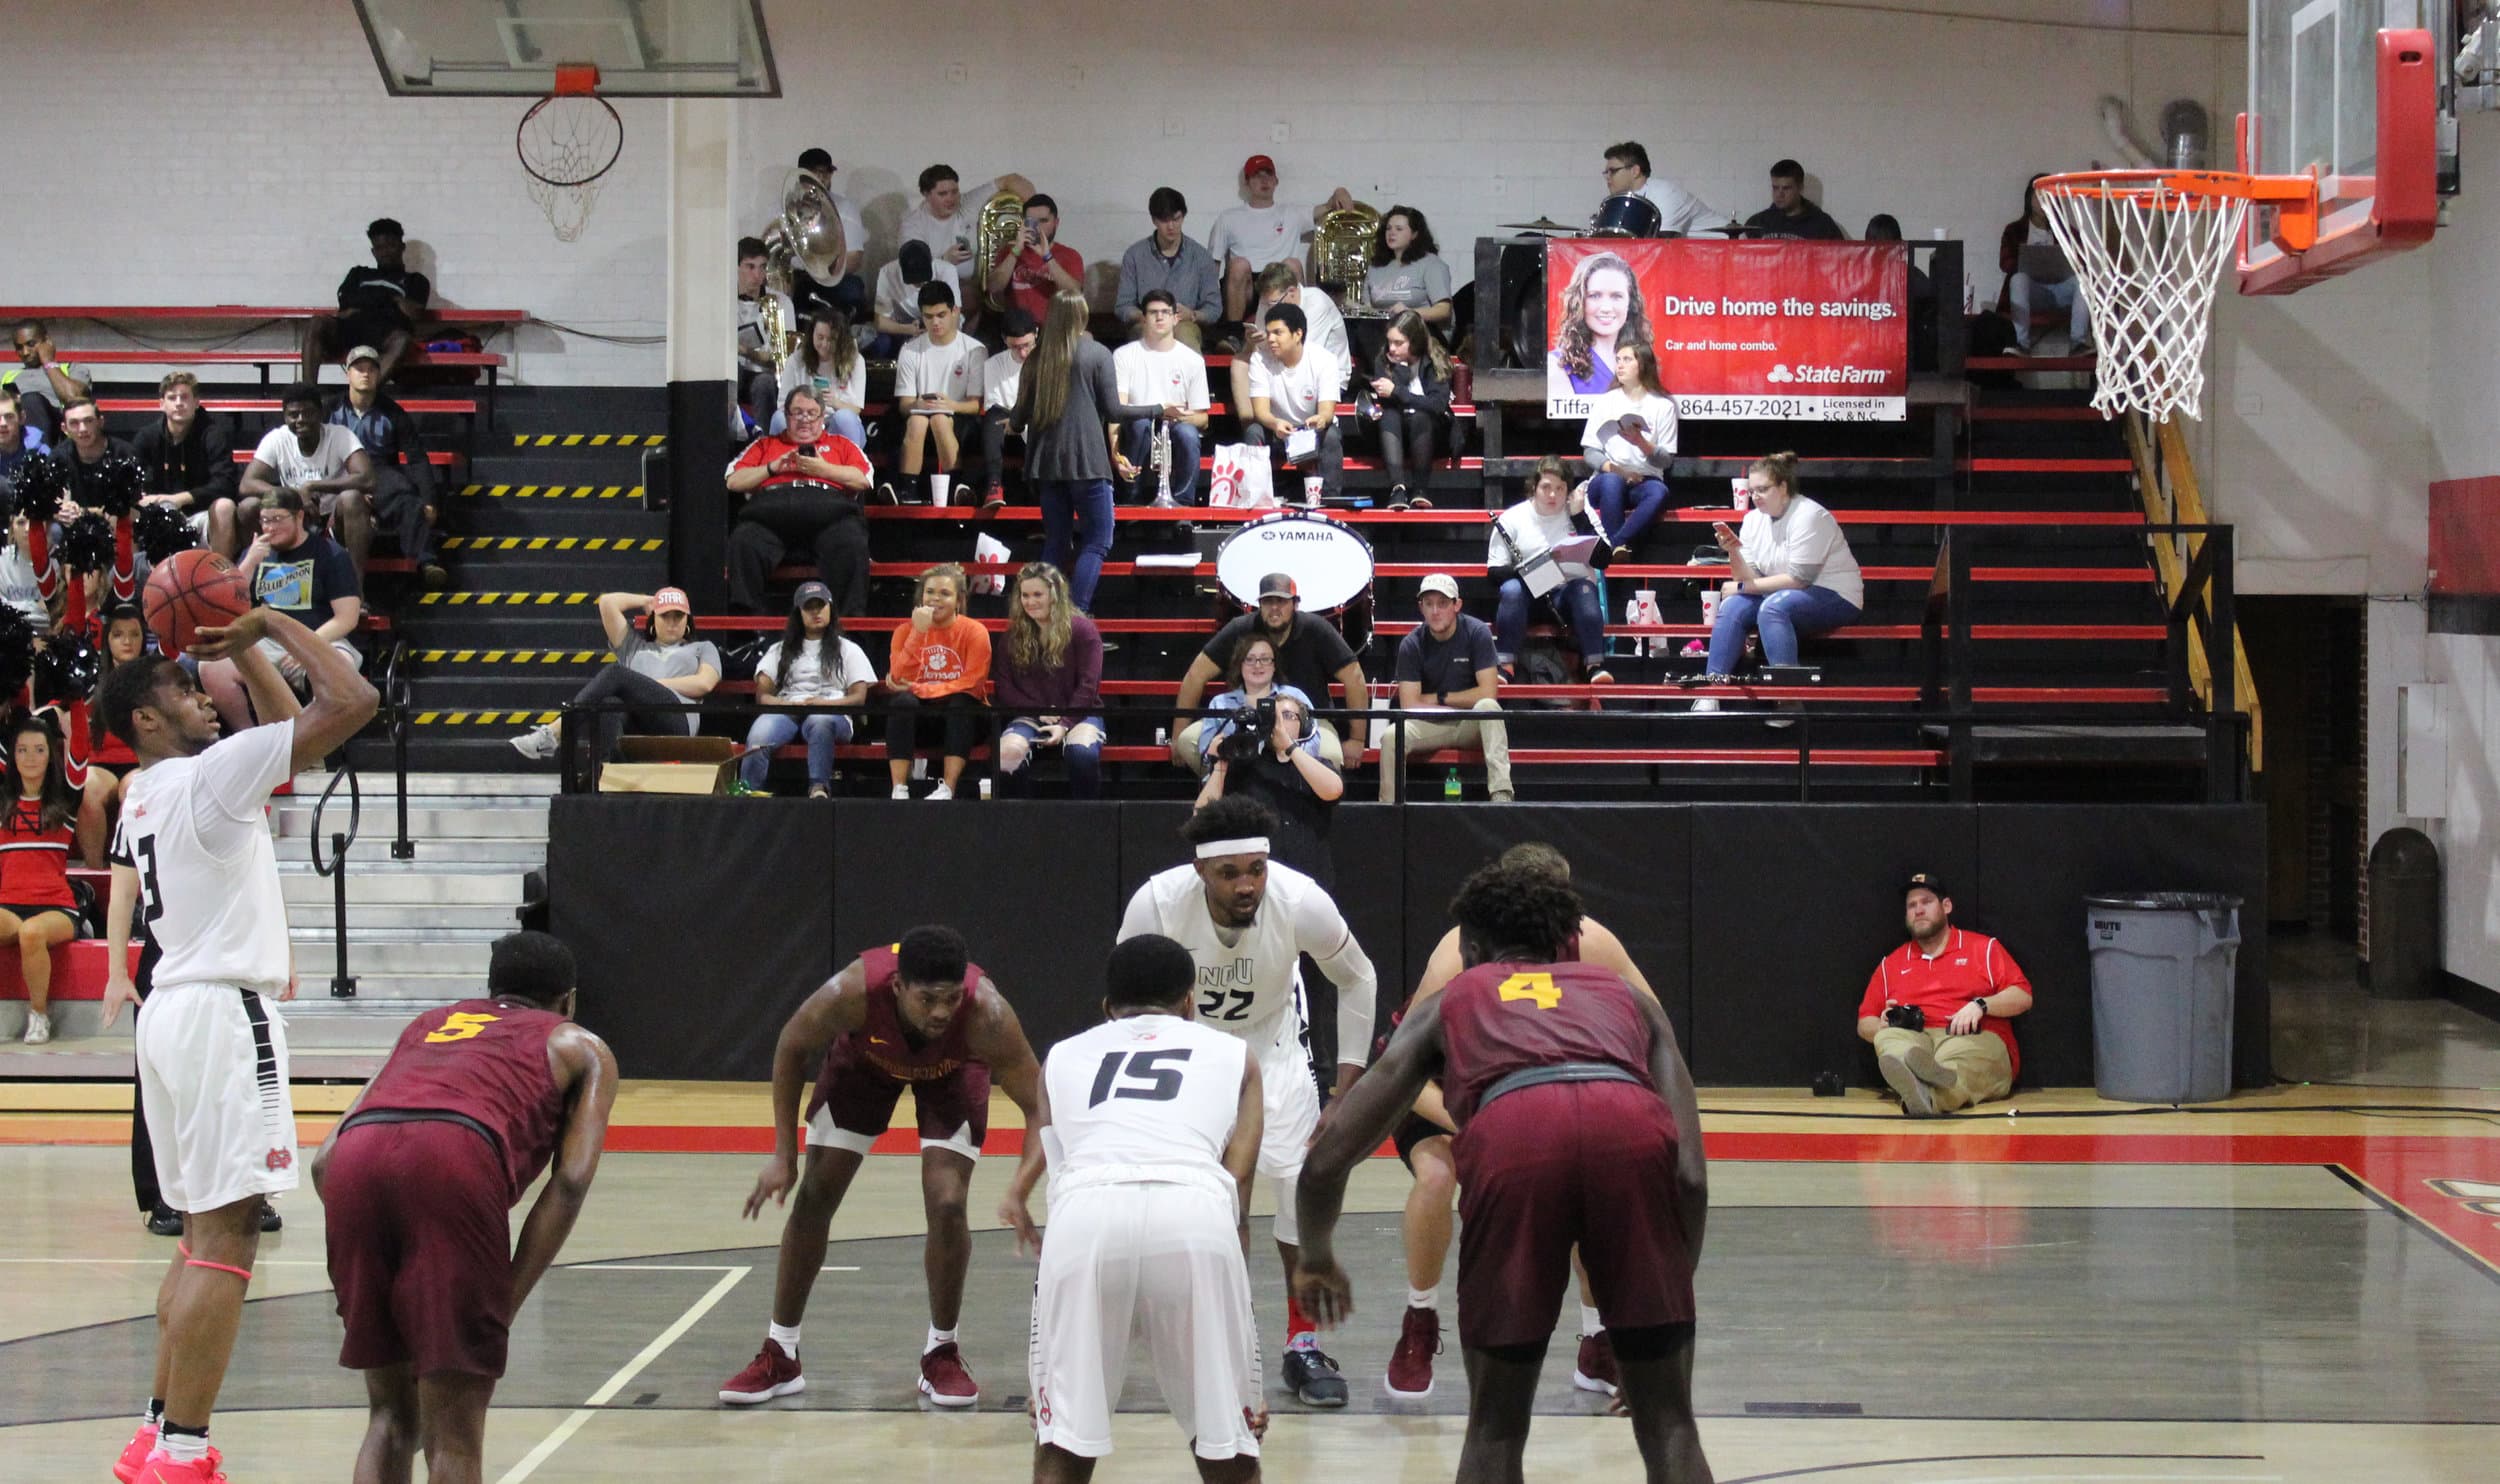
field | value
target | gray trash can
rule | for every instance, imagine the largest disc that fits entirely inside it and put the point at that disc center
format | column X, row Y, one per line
column 2161, row 995
column 2405, row 951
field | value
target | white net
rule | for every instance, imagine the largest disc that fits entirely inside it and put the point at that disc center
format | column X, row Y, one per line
column 2148, row 249
column 567, row 145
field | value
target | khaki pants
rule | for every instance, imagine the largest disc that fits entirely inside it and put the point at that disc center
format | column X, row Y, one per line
column 1489, row 736
column 1982, row 1072
column 1185, row 747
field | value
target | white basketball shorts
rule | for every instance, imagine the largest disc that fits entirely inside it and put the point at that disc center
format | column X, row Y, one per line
column 213, row 1079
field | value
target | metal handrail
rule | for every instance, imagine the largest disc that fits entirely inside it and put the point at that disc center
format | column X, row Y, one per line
column 342, row 983
column 397, row 694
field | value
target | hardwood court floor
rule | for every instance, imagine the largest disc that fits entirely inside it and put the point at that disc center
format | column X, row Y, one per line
column 2283, row 1290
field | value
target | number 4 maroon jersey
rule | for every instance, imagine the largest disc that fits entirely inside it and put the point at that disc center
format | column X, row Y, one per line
column 1500, row 1018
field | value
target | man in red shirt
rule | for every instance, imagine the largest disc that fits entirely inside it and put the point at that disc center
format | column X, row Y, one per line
column 1938, row 1009
column 802, row 485
column 1034, row 267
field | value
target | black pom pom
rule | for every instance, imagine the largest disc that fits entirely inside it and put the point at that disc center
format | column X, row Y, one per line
column 17, row 651
column 66, row 668
column 86, row 544
column 160, row 531
column 41, row 482
column 118, row 483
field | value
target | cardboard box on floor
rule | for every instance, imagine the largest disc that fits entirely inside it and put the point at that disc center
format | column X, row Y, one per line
column 670, row 765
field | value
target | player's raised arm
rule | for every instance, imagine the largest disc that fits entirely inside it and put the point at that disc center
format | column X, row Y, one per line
column 342, row 699
column 1015, row 1209
column 1361, row 1120
column 587, row 1076
column 838, row 1007
column 1675, row 1084
column 1321, row 931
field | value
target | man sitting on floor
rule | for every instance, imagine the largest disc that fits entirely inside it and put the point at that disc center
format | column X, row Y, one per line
column 1938, row 1009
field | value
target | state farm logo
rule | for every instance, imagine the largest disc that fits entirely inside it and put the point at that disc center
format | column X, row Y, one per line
column 1825, row 375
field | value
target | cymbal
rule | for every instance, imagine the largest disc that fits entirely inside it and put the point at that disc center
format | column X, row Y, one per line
column 1541, row 224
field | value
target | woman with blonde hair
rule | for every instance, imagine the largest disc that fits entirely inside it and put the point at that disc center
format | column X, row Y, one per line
column 1792, row 573
column 939, row 666
column 1069, row 411
column 1050, row 682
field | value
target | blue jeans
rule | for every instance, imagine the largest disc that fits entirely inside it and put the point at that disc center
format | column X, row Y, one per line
column 1781, row 617
column 1076, row 517
column 1083, row 751
column 1137, row 441
column 1608, row 489
column 1576, row 601
column 2025, row 297
column 826, row 730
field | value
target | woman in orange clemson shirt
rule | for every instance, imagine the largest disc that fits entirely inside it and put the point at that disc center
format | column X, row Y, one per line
column 937, row 674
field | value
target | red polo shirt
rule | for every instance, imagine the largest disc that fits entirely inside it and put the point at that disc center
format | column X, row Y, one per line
column 833, row 448
column 1968, row 966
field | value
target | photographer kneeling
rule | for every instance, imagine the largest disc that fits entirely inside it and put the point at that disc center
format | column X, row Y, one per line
column 1268, row 757
column 1939, row 1009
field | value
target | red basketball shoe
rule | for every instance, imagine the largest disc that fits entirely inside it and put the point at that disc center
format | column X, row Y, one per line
column 943, row 1379
column 773, row 1372
column 141, row 1444
column 162, row 1470
column 1410, row 1365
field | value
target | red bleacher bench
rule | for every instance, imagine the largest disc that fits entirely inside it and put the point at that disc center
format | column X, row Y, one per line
column 439, row 456
column 2021, row 695
column 797, row 571
column 1783, row 757
column 1396, row 628
column 78, row 970
column 1699, row 515
column 449, row 406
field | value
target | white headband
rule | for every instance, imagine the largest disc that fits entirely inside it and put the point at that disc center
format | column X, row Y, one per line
column 1247, row 845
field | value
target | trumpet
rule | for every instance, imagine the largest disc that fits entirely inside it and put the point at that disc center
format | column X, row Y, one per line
column 1161, row 454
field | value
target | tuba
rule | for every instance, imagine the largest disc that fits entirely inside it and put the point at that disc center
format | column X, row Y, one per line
column 996, row 229
column 807, row 235
column 1341, row 251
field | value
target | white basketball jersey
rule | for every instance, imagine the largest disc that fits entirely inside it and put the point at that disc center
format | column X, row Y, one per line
column 1246, row 975
column 1148, row 1097
column 192, row 827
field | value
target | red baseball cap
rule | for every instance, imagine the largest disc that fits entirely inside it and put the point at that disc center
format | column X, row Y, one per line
column 670, row 600
column 1258, row 165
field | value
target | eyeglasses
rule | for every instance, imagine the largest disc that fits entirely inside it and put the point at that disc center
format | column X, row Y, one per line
column 1611, row 171
column 1258, row 659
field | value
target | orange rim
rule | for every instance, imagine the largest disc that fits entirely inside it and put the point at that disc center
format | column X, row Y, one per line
column 2293, row 197
column 576, row 79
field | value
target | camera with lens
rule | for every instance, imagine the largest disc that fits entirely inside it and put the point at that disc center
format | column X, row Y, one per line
column 1905, row 1017
column 1248, row 738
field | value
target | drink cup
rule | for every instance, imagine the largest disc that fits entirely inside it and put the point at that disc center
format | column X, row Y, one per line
column 940, row 485
column 1710, row 605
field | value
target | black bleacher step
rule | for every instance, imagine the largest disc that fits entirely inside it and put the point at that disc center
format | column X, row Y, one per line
column 572, row 571
column 435, row 750
column 432, row 660
column 483, row 515
column 500, row 627
column 598, row 466
column 436, row 691
column 2121, row 744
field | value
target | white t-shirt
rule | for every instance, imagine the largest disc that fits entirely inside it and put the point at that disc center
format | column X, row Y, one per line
column 1000, row 376
column 208, row 874
column 1246, row 975
column 1166, row 378
column 897, row 300
column 1805, row 542
column 919, row 226
column 1322, row 324
column 1295, row 392
column 1259, row 235
column 952, row 370
column 19, row 589
column 296, row 468
column 1679, row 210
column 1520, row 533
column 808, row 680
column 1143, row 1098
column 851, row 389
column 1603, row 438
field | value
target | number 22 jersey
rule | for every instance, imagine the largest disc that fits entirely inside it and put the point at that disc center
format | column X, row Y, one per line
column 192, row 828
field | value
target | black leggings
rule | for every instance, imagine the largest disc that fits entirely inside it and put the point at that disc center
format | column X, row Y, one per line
column 908, row 720
column 655, row 707
column 1409, row 442
column 824, row 518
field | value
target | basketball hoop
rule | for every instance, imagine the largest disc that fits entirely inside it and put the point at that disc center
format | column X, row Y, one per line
column 567, row 142
column 2147, row 248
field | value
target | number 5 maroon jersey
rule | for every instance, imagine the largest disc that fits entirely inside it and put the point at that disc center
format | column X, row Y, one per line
column 486, row 1061
column 1501, row 1018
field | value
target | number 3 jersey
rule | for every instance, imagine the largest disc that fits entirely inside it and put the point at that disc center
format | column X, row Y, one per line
column 1145, row 1098
column 1246, row 975
column 208, row 874
column 1499, row 1018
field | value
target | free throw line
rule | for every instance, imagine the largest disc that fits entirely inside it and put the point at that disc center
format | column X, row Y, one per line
column 572, row 1424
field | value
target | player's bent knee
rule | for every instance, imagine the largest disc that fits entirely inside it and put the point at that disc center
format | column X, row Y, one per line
column 1652, row 1341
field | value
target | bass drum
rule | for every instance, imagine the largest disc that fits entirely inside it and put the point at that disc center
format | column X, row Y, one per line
column 1329, row 561
column 1626, row 216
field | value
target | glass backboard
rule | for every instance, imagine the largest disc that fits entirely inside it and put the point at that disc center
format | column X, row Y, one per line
column 511, row 48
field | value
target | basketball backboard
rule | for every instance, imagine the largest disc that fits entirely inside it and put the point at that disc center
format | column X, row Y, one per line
column 511, row 48
column 2358, row 94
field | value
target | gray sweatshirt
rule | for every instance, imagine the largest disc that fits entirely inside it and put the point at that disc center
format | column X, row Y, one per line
column 1077, row 446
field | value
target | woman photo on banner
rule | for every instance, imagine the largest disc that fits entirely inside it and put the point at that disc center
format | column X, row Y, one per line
column 1601, row 308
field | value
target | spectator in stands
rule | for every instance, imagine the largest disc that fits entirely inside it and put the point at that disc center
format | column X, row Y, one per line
column 40, row 821
column 407, row 501
column 1407, row 271
column 83, row 448
column 20, row 440
column 815, row 680
column 38, row 601
column 1037, row 266
column 1310, row 655
column 898, row 296
column 1449, row 663
column 948, row 217
column 1261, row 231
column 1679, row 210
column 320, row 460
column 1294, row 781
column 2038, row 276
column 803, row 486
column 1281, row 283
column 1884, row 227
column 847, row 295
column 1602, row 309
column 1410, row 401
column 759, row 360
column 937, row 386
column 126, row 638
column 1156, row 369
column 189, row 457
column 1252, row 679
column 1939, row 1009
column 1002, row 376
column 1628, row 441
column 1168, row 259
column 1522, row 556
column 1068, row 407
column 1050, row 684
column 830, row 365
column 1293, row 391
column 1791, row 573
column 44, row 383
column 302, row 573
column 659, row 669
column 381, row 305
column 1790, row 214
column 939, row 667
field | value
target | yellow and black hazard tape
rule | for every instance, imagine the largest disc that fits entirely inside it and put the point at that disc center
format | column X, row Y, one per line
column 554, row 491
column 485, row 718
column 588, row 440
column 508, row 600
column 554, row 543
column 512, row 656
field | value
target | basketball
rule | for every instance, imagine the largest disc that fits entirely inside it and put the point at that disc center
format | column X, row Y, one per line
column 192, row 590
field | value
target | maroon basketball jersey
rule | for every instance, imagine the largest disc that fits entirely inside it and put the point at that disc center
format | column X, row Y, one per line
column 485, row 1060
column 1499, row 1018
column 884, row 1044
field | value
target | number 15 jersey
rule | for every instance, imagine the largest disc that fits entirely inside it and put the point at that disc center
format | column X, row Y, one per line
column 1148, row 1097
column 208, row 872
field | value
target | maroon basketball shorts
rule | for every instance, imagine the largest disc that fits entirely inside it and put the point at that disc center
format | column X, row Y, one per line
column 419, row 1250
column 1548, row 1167
column 854, row 1103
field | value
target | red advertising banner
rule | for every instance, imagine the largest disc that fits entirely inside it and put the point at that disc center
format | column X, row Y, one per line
column 1799, row 331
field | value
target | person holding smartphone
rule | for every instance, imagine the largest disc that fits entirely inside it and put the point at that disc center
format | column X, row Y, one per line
column 1036, row 266
column 1791, row 573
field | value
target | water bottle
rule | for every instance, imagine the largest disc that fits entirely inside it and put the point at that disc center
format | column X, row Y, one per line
column 1449, row 787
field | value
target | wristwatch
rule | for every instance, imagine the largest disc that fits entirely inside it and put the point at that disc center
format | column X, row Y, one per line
column 1981, row 1001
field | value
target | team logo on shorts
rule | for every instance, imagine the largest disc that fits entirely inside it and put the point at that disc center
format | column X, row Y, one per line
column 1041, row 1405
column 280, row 1159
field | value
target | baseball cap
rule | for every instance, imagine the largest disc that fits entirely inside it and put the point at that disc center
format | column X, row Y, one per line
column 1926, row 881
column 671, row 600
column 362, row 353
column 1258, row 165
column 915, row 258
column 811, row 592
column 1442, row 583
column 1278, row 585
